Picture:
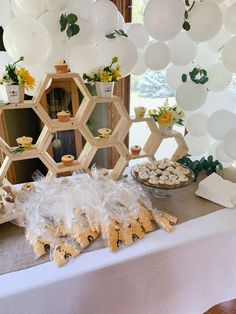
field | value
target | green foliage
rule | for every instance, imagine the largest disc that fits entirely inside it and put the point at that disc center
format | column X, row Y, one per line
column 197, row 75
column 116, row 33
column 68, row 23
column 188, row 8
column 204, row 164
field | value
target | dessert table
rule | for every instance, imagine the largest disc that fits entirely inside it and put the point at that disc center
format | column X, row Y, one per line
column 184, row 272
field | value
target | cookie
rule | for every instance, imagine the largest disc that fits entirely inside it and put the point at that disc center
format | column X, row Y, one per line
column 62, row 252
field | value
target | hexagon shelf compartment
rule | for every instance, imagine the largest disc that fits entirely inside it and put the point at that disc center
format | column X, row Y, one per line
column 121, row 129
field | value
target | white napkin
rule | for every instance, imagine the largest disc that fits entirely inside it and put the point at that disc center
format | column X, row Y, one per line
column 218, row 190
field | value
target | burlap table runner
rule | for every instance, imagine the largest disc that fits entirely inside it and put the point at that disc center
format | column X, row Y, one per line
column 16, row 254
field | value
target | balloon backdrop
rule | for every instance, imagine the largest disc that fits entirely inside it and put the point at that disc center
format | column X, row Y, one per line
column 191, row 96
column 124, row 49
column 217, row 42
column 229, row 143
column 220, row 100
column 206, row 57
column 157, row 56
column 29, row 7
column 219, row 77
column 140, row 66
column 228, row 55
column 183, row 49
column 137, row 34
column 83, row 59
column 104, row 15
column 83, row 6
column 25, row 36
column 206, row 20
column 5, row 12
column 197, row 145
column 220, row 153
column 230, row 18
column 163, row 19
column 58, row 5
column 196, row 124
column 220, row 122
column 174, row 73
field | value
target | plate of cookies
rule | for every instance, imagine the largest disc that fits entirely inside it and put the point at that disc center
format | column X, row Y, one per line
column 162, row 174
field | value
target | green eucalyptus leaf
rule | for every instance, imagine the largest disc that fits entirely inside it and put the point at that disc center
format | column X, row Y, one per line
column 71, row 18
column 63, row 22
column 187, row 3
column 210, row 159
column 75, row 29
column 69, row 31
column 186, row 26
column 111, row 36
column 184, row 78
column 186, row 15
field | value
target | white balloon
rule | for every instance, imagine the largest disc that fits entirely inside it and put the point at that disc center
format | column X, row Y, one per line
column 228, row 55
column 221, row 100
column 197, row 145
column 205, row 20
column 58, row 5
column 229, row 143
column 220, row 39
column 196, row 125
column 50, row 21
column 157, row 56
column 174, row 74
column 85, row 35
column 140, row 66
column 219, row 77
column 206, row 57
column 4, row 59
column 191, row 96
column 212, row 149
column 83, row 6
column 84, row 59
column 104, row 15
column 29, row 7
column 163, row 19
column 138, row 34
column 5, row 12
column 121, row 47
column 26, row 36
column 220, row 153
column 220, row 122
column 121, row 22
column 230, row 18
column 183, row 49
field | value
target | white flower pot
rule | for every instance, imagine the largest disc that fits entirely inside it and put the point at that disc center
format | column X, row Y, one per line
column 104, row 90
column 167, row 129
column 12, row 94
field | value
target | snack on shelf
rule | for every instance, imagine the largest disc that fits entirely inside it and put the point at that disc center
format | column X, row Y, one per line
column 139, row 111
column 67, row 160
column 61, row 67
column 29, row 186
column 62, row 252
column 63, row 116
column 162, row 174
column 111, row 235
column 24, row 142
column 135, row 150
column 104, row 132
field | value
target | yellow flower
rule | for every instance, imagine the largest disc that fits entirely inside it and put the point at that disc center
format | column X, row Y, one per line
column 166, row 118
column 25, row 78
column 116, row 73
column 106, row 77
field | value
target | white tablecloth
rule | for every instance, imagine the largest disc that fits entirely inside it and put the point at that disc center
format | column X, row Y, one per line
column 185, row 272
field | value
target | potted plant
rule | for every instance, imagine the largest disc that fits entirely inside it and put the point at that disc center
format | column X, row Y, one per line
column 104, row 78
column 166, row 116
column 14, row 81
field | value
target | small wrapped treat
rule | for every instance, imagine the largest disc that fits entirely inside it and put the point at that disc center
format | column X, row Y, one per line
column 24, row 142
column 67, row 160
column 104, row 132
column 63, row 116
column 135, row 150
column 164, row 220
column 139, row 111
column 61, row 67
column 62, row 252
